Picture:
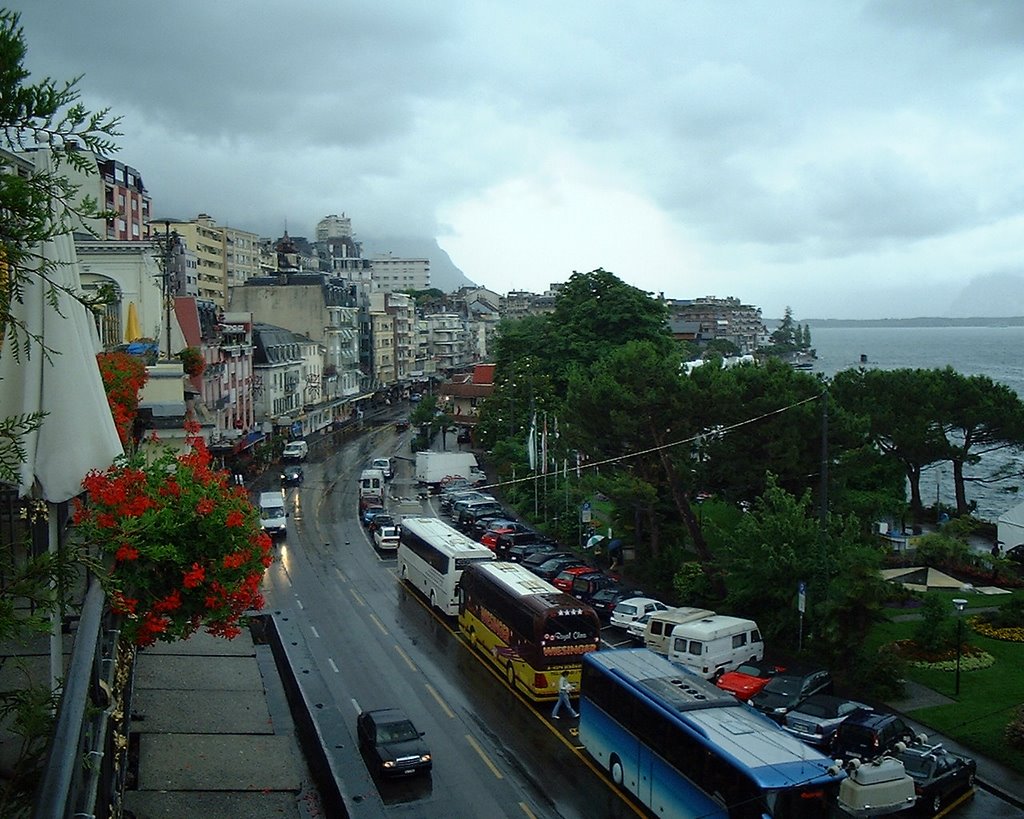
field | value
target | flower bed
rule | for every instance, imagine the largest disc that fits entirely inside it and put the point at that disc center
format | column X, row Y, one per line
column 183, row 544
column 972, row 658
column 1012, row 634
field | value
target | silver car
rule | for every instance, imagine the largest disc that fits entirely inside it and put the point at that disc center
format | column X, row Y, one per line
column 816, row 719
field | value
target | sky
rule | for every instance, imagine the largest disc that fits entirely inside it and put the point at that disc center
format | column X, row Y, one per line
column 854, row 159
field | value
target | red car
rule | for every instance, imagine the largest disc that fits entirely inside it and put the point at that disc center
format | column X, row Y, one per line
column 500, row 526
column 563, row 580
column 748, row 678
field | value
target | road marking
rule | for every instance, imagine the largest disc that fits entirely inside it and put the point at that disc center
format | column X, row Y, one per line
column 407, row 659
column 525, row 808
column 315, row 632
column 380, row 625
column 340, row 574
column 484, row 757
column 359, row 599
column 444, row 706
column 299, row 603
column 356, row 705
column 334, row 668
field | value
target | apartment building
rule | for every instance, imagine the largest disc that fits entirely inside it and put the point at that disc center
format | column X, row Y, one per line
column 391, row 274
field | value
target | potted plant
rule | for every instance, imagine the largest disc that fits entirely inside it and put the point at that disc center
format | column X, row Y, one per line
column 182, row 546
column 192, row 361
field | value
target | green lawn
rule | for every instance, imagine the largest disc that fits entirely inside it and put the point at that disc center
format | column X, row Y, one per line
column 988, row 697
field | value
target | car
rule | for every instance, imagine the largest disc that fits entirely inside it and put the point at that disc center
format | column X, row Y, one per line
column 633, row 608
column 563, row 580
column 869, row 735
column 295, row 451
column 473, row 512
column 380, row 519
column 816, row 719
column 603, row 602
column 415, row 397
column 386, row 537
column 748, row 678
column 392, row 742
column 401, row 425
column 467, row 499
column 517, row 546
column 938, row 774
column 384, row 465
column 785, row 691
column 370, row 512
column 586, row 585
column 635, row 630
column 538, row 558
column 551, row 568
column 292, row 474
column 483, row 526
column 498, row 527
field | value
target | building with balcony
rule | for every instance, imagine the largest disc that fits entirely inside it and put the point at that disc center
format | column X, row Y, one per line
column 288, row 372
column 391, row 274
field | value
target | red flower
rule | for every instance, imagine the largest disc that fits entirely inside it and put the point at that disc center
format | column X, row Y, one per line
column 205, row 506
column 126, row 552
column 194, row 576
column 235, row 518
column 234, row 560
column 169, row 603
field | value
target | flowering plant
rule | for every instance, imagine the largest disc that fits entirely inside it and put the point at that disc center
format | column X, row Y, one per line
column 192, row 361
column 183, row 544
column 123, row 377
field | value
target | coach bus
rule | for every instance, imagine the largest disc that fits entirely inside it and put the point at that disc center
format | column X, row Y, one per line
column 524, row 625
column 685, row 748
column 431, row 558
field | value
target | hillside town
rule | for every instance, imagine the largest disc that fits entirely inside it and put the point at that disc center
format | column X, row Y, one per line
column 296, row 335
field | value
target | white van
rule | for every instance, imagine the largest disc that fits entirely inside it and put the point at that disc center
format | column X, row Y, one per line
column 273, row 518
column 658, row 633
column 715, row 644
column 371, row 487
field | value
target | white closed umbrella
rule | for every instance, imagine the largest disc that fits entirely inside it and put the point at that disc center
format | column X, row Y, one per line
column 78, row 433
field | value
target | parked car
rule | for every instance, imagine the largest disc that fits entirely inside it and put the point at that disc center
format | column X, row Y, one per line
column 867, row 736
column 586, row 585
column 786, row 691
column 816, row 719
column 938, row 774
column 292, row 475
column 515, row 547
column 626, row 611
column 401, row 425
column 382, row 518
column 483, row 526
column 384, row 465
column 467, row 500
column 550, row 569
column 370, row 512
column 635, row 630
column 502, row 526
column 476, row 511
column 392, row 742
column 459, row 490
column 536, row 559
column 386, row 538
column 603, row 602
column 748, row 678
column 563, row 580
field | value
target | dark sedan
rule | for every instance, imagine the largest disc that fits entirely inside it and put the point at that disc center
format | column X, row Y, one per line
column 550, row 569
column 786, row 691
column 518, row 552
column 292, row 474
column 392, row 742
column 605, row 600
column 938, row 775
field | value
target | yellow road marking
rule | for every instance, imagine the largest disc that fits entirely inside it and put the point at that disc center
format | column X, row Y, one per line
column 444, row 706
column 406, row 657
column 359, row 599
column 527, row 810
column 484, row 757
column 379, row 624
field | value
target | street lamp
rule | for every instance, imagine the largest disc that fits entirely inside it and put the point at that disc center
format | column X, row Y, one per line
column 169, row 239
column 960, row 604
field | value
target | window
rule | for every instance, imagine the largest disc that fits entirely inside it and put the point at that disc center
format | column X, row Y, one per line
column 739, row 640
column 696, row 648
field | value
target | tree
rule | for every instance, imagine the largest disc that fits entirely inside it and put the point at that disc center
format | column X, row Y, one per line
column 786, row 335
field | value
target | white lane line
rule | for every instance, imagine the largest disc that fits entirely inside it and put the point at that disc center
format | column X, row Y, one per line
column 299, row 603
column 334, row 668
column 315, row 632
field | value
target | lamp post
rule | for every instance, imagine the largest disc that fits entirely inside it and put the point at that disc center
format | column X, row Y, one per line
column 166, row 279
column 960, row 604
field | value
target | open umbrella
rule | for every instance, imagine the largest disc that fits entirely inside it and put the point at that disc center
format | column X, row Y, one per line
column 132, row 328
column 78, row 433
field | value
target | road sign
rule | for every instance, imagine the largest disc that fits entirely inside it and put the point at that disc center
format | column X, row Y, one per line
column 801, row 596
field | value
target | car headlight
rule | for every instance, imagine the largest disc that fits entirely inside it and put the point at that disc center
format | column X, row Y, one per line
column 425, row 758
column 390, row 763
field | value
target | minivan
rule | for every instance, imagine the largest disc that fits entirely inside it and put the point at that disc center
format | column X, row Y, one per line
column 715, row 644
column 371, row 487
column 473, row 511
column 273, row 518
column 658, row 633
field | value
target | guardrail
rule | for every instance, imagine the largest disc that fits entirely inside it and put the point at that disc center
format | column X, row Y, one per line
column 86, row 763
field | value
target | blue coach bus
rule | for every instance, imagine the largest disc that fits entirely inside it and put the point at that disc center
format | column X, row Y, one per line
column 685, row 748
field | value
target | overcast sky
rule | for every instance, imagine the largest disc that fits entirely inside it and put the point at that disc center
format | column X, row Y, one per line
column 849, row 159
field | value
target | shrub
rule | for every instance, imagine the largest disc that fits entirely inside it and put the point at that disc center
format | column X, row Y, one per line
column 1014, row 731
column 935, row 632
column 879, row 675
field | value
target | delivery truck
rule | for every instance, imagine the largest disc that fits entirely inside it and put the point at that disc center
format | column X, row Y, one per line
column 436, row 469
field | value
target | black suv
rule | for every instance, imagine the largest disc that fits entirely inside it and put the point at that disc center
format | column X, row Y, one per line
column 520, row 551
column 786, row 690
column 869, row 735
column 585, row 586
column 605, row 600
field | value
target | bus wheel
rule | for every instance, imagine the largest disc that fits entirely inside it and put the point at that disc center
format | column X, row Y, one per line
column 615, row 769
column 511, row 671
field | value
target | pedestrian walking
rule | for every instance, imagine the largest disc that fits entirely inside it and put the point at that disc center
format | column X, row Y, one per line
column 564, row 689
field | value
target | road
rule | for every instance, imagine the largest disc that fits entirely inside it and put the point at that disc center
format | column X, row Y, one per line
column 377, row 644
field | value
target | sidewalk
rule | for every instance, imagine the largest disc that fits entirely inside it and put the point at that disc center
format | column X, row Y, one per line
column 211, row 735
column 992, row 776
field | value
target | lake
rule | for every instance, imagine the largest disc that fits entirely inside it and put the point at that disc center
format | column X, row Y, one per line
column 997, row 352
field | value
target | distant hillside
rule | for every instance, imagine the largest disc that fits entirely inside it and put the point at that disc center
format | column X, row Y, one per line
column 444, row 275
